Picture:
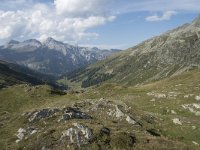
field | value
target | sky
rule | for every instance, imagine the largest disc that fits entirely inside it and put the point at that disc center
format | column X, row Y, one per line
column 102, row 23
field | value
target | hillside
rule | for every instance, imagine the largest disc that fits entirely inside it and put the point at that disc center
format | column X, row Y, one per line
column 169, row 54
column 12, row 74
column 160, row 115
column 51, row 56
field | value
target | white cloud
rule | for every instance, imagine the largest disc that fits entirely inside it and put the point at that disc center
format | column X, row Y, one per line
column 81, row 7
column 165, row 16
column 42, row 21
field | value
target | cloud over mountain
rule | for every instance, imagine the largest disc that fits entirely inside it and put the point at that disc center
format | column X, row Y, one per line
column 64, row 20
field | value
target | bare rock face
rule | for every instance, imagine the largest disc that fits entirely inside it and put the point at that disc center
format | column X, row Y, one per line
column 78, row 135
column 72, row 113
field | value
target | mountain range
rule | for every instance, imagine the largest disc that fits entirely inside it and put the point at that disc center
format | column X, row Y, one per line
column 51, row 56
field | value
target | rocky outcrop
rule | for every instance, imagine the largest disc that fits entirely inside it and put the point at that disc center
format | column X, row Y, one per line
column 41, row 114
column 71, row 113
column 113, row 111
column 78, row 134
column 119, row 114
column 66, row 114
column 90, row 124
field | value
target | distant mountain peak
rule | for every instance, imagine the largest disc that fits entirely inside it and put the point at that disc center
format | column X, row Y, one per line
column 33, row 42
column 51, row 40
column 51, row 43
column 56, row 45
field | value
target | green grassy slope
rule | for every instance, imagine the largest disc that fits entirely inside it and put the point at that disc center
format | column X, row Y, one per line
column 11, row 74
column 164, row 100
column 155, row 105
column 8, row 76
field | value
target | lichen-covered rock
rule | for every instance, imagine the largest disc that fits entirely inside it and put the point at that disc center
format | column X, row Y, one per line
column 72, row 113
column 22, row 132
column 173, row 112
column 177, row 121
column 78, row 135
column 197, row 98
column 119, row 114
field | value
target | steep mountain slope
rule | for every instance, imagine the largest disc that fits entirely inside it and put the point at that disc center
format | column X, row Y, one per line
column 11, row 74
column 169, row 54
column 51, row 56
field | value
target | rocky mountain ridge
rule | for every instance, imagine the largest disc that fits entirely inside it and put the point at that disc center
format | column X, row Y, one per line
column 51, row 56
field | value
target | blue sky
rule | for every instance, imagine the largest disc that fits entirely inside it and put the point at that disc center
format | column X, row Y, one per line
column 132, row 28
column 102, row 23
